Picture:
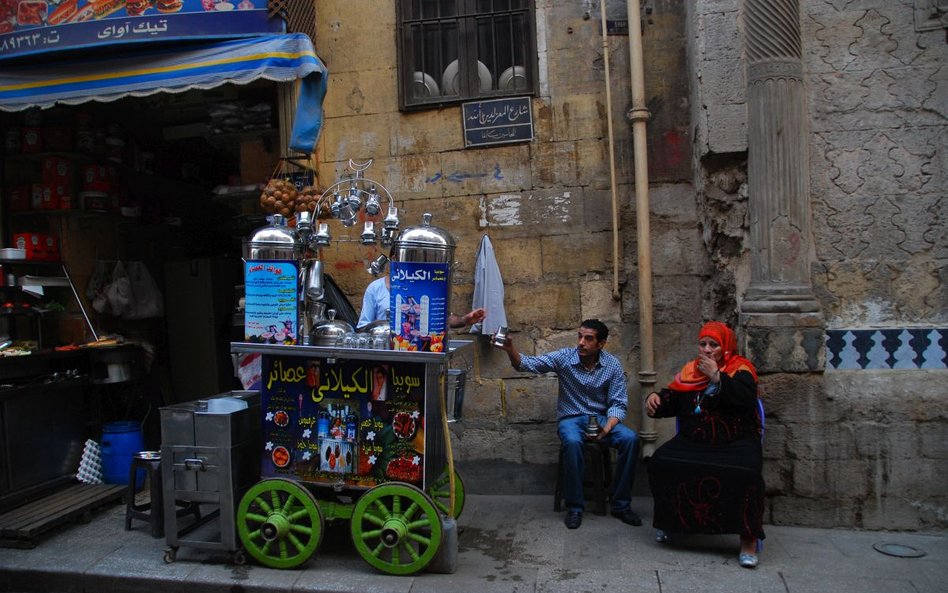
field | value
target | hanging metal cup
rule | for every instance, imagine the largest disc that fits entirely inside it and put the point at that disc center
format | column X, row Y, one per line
column 368, row 233
column 378, row 264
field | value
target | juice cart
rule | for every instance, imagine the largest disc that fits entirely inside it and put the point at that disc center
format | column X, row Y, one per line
column 353, row 428
column 350, row 434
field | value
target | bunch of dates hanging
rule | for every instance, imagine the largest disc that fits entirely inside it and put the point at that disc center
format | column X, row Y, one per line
column 280, row 196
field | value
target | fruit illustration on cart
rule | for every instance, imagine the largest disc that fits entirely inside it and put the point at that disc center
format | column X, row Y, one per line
column 403, row 425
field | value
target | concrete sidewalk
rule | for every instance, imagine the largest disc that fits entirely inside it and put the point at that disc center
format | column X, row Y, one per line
column 506, row 544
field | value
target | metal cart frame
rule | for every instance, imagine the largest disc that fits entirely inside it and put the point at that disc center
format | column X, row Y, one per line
column 396, row 526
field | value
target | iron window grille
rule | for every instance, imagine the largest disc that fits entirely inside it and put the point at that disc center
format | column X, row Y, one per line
column 451, row 51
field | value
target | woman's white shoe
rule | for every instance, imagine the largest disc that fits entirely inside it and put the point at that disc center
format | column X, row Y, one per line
column 748, row 560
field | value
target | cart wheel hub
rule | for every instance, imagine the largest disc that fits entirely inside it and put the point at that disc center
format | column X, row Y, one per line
column 275, row 528
column 393, row 531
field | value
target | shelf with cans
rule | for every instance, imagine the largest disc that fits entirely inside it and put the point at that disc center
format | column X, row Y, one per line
column 74, row 159
column 80, row 184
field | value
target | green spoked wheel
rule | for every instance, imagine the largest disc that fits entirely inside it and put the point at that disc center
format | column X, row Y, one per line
column 396, row 528
column 279, row 523
column 440, row 493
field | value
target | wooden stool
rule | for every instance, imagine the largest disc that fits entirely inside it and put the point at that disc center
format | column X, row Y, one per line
column 597, row 478
column 153, row 510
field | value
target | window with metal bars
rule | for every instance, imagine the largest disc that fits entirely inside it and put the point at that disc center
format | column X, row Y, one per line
column 451, row 51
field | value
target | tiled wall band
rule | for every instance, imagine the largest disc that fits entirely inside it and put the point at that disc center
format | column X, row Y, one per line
column 873, row 349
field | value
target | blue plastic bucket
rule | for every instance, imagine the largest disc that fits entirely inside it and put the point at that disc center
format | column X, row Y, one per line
column 120, row 442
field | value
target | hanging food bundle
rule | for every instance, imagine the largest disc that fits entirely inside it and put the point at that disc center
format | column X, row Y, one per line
column 279, row 197
column 306, row 201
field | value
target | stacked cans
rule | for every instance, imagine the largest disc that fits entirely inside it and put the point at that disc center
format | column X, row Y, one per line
column 90, row 466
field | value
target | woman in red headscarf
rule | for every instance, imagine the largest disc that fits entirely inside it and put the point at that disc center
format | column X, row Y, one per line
column 707, row 479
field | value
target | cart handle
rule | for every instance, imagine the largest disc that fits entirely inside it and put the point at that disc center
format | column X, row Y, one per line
column 194, row 463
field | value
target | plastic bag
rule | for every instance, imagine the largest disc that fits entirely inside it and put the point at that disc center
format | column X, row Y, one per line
column 146, row 298
column 98, row 284
column 119, row 292
column 249, row 370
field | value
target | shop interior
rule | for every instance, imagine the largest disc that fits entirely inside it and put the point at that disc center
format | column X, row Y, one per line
column 168, row 183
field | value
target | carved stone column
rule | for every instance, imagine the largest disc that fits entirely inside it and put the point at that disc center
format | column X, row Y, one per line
column 781, row 319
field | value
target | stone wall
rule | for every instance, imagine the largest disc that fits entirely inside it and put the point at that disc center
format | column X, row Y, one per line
column 877, row 158
column 847, row 447
column 879, row 101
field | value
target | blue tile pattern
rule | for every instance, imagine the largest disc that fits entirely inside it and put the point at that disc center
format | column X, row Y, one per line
column 874, row 349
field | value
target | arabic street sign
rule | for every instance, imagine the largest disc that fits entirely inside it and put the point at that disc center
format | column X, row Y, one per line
column 499, row 121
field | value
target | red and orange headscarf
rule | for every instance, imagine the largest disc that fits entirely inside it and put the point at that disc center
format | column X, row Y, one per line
column 689, row 378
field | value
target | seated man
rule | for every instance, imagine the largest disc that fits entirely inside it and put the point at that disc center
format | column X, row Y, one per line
column 591, row 382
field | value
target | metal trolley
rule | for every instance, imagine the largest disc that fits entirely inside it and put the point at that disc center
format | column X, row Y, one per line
column 356, row 435
column 208, row 460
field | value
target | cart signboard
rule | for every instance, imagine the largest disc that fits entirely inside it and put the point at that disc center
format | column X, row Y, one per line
column 271, row 307
column 419, row 301
column 355, row 423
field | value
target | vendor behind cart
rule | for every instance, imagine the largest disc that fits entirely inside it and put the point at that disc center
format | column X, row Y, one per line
column 376, row 302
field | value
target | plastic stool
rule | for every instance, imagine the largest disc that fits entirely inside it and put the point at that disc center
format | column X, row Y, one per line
column 598, row 476
column 153, row 510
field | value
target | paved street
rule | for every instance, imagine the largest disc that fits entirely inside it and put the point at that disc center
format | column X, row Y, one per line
column 506, row 544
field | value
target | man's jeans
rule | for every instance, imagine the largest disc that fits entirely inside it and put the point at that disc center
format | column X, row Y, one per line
column 621, row 437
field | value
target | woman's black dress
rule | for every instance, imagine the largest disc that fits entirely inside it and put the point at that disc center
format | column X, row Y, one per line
column 707, row 479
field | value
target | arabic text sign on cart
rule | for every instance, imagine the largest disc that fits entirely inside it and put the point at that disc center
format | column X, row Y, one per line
column 498, row 121
column 354, row 422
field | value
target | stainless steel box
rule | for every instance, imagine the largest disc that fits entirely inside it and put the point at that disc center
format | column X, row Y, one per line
column 210, row 455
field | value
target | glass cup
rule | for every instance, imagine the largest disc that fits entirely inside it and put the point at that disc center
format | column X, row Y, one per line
column 500, row 338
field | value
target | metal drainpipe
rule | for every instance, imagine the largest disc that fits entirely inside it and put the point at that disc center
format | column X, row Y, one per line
column 639, row 115
column 616, row 253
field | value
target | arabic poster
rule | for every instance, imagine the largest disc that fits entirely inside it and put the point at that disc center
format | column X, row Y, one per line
column 419, row 304
column 272, row 302
column 37, row 26
column 358, row 423
column 498, row 121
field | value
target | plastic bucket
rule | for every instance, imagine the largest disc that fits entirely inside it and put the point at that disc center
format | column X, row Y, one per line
column 120, row 442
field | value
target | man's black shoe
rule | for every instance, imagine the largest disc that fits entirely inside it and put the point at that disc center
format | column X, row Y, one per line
column 628, row 517
column 573, row 519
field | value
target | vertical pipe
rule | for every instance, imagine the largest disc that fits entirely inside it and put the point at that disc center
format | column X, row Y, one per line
column 612, row 159
column 639, row 116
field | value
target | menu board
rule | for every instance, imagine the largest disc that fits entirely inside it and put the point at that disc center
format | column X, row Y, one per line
column 357, row 423
column 38, row 26
column 271, row 308
column 419, row 305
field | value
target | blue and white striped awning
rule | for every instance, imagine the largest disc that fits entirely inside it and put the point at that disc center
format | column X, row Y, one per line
column 173, row 70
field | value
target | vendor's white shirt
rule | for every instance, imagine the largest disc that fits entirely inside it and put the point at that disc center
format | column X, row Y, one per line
column 375, row 302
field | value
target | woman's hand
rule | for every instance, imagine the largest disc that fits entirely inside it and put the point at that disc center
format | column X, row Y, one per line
column 651, row 404
column 709, row 368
